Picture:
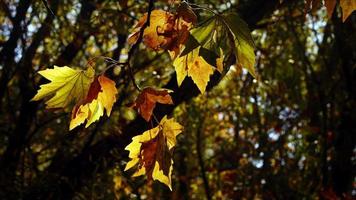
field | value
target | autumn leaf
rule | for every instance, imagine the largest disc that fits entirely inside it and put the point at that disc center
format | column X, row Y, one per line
column 186, row 12
column 347, row 6
column 67, row 85
column 152, row 151
column 330, row 5
column 154, row 36
column 167, row 31
column 219, row 35
column 194, row 66
column 101, row 95
column 147, row 99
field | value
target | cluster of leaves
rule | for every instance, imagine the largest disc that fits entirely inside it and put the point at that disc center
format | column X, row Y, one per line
column 196, row 51
column 91, row 94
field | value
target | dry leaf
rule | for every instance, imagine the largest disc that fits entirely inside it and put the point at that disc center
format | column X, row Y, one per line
column 147, row 99
column 101, row 96
column 152, row 151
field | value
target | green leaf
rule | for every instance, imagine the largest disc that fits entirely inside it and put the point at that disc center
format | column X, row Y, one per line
column 190, row 45
column 243, row 42
column 203, row 33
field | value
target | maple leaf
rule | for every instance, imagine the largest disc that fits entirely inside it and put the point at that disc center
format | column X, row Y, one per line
column 101, row 95
column 67, row 85
column 147, row 99
column 194, row 66
column 152, row 151
column 348, row 6
column 154, row 36
column 243, row 42
column 166, row 31
column 186, row 12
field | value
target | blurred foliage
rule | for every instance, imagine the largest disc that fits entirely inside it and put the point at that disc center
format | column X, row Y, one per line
column 289, row 134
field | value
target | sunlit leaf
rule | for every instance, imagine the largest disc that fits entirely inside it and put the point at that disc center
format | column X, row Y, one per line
column 348, row 6
column 67, row 86
column 152, row 151
column 243, row 42
column 147, row 99
column 194, row 66
column 101, row 96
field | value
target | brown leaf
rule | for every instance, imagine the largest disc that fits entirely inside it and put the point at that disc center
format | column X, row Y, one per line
column 100, row 97
column 147, row 99
column 186, row 12
column 330, row 5
column 152, row 151
column 167, row 31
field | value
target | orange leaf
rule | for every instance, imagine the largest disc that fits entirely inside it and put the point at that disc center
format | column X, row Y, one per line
column 101, row 95
column 167, row 31
column 347, row 6
column 152, row 151
column 330, row 5
column 147, row 99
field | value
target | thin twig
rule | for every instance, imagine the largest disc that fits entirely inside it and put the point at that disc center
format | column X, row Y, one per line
column 45, row 3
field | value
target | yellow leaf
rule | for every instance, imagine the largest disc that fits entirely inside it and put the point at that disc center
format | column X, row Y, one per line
column 348, row 6
column 171, row 129
column 195, row 67
column 167, row 31
column 101, row 95
column 152, row 151
column 153, row 36
column 67, row 85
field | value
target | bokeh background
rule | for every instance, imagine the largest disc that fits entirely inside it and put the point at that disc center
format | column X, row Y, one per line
column 289, row 135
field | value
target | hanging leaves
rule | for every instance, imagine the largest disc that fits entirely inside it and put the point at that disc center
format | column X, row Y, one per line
column 243, row 42
column 166, row 31
column 152, row 151
column 147, row 99
column 154, row 36
column 67, row 86
column 194, row 66
column 207, row 45
column 101, row 96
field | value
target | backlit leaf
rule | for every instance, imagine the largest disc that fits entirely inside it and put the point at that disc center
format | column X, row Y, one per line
column 194, row 66
column 243, row 42
column 101, row 96
column 67, row 86
column 166, row 30
column 348, row 6
column 147, row 99
column 152, row 151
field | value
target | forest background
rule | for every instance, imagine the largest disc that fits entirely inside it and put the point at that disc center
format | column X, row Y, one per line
column 289, row 133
